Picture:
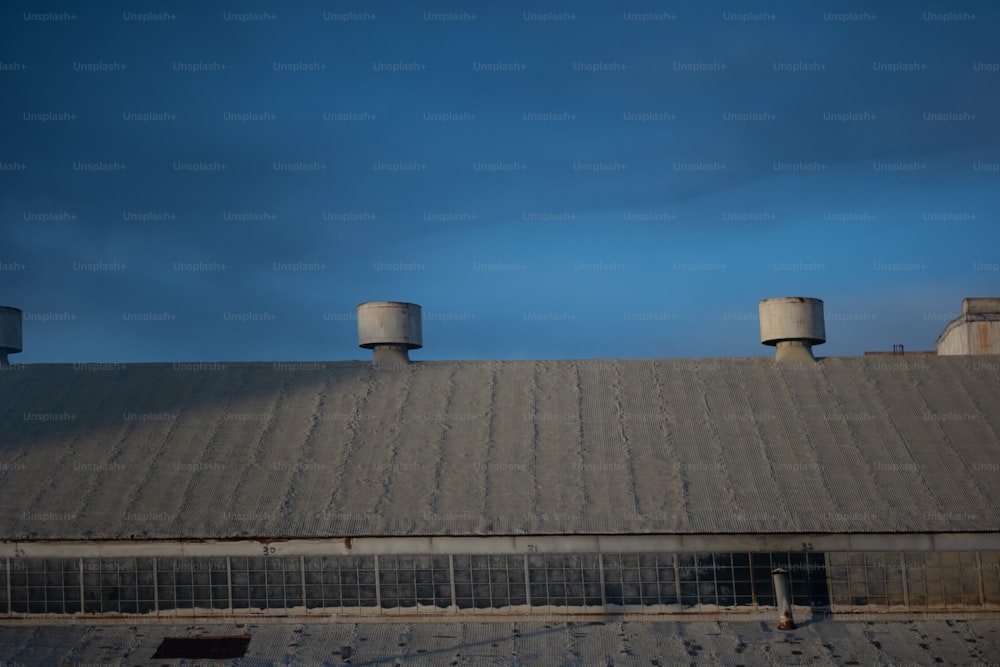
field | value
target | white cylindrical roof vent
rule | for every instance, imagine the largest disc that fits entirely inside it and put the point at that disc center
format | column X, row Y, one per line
column 390, row 328
column 10, row 332
column 793, row 324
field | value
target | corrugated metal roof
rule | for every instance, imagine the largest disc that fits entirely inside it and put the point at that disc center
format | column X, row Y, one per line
column 491, row 448
column 750, row 642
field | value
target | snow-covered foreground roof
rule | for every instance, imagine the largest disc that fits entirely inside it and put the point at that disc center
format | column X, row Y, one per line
column 950, row 641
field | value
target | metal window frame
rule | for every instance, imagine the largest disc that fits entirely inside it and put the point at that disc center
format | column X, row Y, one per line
column 873, row 566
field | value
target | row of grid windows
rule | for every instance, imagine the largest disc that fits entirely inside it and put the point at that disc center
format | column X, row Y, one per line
column 340, row 581
column 408, row 581
column 185, row 583
column 483, row 582
column 934, row 579
column 403, row 581
column 414, row 582
column 54, row 584
column 267, row 582
column 718, row 579
column 565, row 580
column 120, row 585
column 914, row 579
column 989, row 571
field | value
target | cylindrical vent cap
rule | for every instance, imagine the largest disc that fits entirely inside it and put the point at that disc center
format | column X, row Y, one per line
column 389, row 323
column 792, row 318
column 10, row 330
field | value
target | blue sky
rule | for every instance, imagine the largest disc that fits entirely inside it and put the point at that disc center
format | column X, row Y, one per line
column 575, row 180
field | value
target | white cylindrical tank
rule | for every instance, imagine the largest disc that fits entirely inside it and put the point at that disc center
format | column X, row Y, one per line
column 792, row 318
column 10, row 332
column 793, row 324
column 390, row 328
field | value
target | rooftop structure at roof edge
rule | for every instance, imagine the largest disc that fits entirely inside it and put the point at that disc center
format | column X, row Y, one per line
column 976, row 331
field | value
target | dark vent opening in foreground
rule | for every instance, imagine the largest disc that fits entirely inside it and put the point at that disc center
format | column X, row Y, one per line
column 209, row 648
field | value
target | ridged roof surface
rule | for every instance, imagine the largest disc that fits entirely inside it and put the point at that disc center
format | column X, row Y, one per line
column 853, row 444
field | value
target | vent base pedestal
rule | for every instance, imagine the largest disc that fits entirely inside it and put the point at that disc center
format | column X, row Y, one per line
column 391, row 354
column 794, row 352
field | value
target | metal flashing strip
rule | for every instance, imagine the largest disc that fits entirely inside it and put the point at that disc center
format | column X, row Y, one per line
column 445, row 545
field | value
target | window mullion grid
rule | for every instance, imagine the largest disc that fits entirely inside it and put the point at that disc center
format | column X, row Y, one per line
column 55, row 573
column 45, row 584
column 506, row 586
column 906, row 586
column 44, row 571
column 828, row 571
column 302, row 582
column 59, row 590
column 566, row 573
column 715, row 579
column 10, row 599
column 174, row 578
column 697, row 579
column 868, row 586
column 979, row 578
column 579, row 580
column 113, row 569
column 600, row 579
column 156, row 585
column 284, row 584
column 507, row 567
column 378, row 587
column 656, row 565
column 489, row 579
column 549, row 589
column 527, row 582
column 268, row 582
column 677, row 581
column 451, row 579
column 343, row 586
column 475, row 598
